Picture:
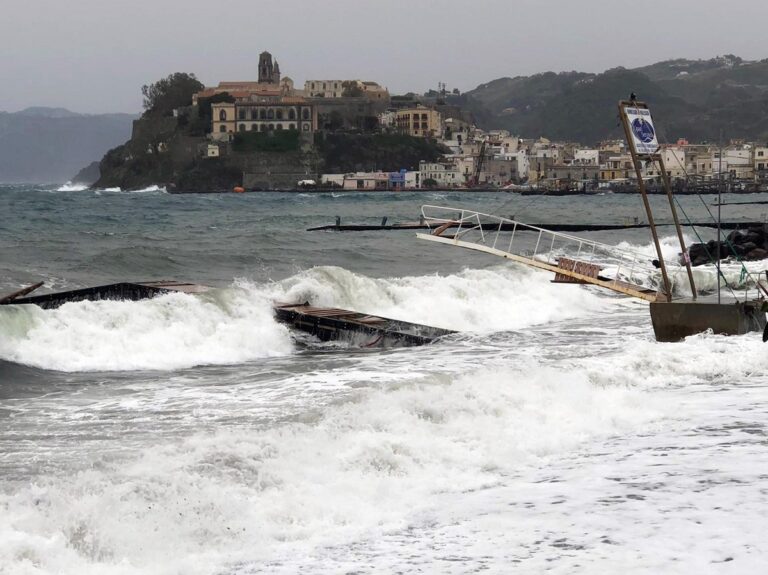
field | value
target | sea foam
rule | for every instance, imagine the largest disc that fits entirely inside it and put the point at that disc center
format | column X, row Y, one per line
column 169, row 332
column 220, row 502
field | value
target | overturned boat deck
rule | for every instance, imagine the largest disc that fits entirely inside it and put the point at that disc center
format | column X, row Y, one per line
column 330, row 324
column 327, row 324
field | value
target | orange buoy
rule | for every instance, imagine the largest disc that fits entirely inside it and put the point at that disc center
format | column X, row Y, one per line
column 238, row 190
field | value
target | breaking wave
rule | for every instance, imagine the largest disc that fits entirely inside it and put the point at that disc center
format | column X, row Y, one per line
column 236, row 324
column 70, row 187
column 169, row 332
column 734, row 275
column 505, row 297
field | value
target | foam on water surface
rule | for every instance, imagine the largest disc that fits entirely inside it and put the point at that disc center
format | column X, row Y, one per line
column 192, row 434
column 168, row 332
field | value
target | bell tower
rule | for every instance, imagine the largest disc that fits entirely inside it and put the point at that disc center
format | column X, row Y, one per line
column 266, row 70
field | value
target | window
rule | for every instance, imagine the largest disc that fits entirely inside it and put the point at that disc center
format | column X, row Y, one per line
column 306, row 127
column 262, row 114
column 291, row 114
column 305, row 114
column 254, row 127
column 223, row 115
column 271, row 126
column 270, row 114
column 279, row 127
column 254, row 114
column 760, row 153
column 241, row 127
column 279, row 114
column 263, row 127
column 241, row 114
column 222, row 128
column 291, row 126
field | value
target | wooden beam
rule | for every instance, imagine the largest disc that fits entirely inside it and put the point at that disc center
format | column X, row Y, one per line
column 22, row 292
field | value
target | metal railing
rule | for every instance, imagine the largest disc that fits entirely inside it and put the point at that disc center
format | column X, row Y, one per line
column 513, row 237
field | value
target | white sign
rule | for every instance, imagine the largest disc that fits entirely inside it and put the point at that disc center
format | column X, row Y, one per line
column 641, row 128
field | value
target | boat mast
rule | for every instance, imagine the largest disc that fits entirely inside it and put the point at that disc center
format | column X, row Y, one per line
column 686, row 257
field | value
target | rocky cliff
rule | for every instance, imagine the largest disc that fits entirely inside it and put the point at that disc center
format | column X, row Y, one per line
column 171, row 151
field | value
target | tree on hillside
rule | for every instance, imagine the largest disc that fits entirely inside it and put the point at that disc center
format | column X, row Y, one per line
column 165, row 95
column 204, row 104
column 201, row 125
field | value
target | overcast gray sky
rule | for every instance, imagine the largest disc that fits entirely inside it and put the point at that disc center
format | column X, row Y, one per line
column 93, row 55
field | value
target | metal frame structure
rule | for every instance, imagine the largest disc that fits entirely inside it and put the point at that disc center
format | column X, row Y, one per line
column 582, row 260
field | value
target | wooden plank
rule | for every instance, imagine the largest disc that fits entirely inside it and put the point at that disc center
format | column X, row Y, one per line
column 20, row 293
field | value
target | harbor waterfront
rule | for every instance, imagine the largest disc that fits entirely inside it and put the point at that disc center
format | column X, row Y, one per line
column 195, row 434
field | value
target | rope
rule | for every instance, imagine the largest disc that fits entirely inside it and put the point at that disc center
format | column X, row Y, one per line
column 744, row 271
column 703, row 243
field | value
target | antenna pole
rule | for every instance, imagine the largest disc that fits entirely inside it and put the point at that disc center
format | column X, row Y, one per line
column 644, row 195
column 719, row 202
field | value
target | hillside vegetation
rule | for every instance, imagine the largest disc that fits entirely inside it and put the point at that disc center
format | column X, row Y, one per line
column 694, row 99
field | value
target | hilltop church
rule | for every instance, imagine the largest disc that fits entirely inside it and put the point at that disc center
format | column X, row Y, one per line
column 273, row 104
column 268, row 73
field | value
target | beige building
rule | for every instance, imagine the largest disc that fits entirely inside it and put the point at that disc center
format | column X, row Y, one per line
column 366, row 181
column 446, row 175
column 618, row 168
column 336, row 89
column 263, row 114
column 419, row 121
column 324, row 88
column 761, row 163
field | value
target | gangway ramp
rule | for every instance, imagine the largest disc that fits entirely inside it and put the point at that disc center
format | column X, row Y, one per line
column 570, row 258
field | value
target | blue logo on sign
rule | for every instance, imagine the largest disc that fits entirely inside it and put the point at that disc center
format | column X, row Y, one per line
column 643, row 130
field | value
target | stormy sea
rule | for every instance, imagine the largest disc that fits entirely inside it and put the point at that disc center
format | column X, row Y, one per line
column 195, row 435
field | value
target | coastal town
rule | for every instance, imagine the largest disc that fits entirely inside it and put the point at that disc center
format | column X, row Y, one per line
column 470, row 157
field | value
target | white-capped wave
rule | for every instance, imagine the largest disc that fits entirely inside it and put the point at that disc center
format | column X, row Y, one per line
column 148, row 189
column 70, row 187
column 271, row 499
column 169, row 332
column 503, row 297
column 733, row 274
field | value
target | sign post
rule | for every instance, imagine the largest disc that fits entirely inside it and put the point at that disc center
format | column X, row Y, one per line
column 640, row 135
column 644, row 145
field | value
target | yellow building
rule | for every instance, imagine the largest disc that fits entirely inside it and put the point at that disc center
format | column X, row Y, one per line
column 262, row 114
column 419, row 121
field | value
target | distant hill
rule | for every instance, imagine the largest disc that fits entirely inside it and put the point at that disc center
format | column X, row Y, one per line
column 51, row 144
column 693, row 99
